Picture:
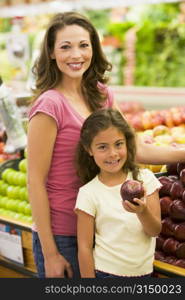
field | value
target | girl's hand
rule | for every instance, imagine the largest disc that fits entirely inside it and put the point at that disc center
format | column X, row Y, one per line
column 137, row 209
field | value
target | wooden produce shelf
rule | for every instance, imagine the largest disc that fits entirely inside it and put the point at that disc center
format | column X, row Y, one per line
column 12, row 269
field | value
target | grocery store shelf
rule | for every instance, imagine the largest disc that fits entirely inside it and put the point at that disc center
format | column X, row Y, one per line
column 16, row 267
column 168, row 269
column 19, row 224
column 56, row 6
column 151, row 97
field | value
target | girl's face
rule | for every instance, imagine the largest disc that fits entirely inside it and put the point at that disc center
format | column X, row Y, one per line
column 109, row 150
column 72, row 51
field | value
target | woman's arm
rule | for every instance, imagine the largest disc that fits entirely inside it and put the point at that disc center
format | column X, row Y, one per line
column 156, row 155
column 85, row 235
column 42, row 130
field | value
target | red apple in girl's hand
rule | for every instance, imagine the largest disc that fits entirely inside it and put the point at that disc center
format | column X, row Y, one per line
column 131, row 189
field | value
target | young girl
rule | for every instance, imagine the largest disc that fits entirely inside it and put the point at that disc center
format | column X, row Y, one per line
column 124, row 233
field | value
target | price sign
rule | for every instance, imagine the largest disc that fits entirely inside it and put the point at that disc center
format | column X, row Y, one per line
column 11, row 243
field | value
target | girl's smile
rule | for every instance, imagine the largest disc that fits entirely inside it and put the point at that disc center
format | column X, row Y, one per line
column 109, row 151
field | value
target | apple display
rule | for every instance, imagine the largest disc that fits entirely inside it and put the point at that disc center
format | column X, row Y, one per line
column 176, row 190
column 131, row 189
column 168, row 227
column 23, row 165
column 170, row 246
column 179, row 231
column 166, row 186
column 161, row 130
column 180, row 167
column 172, row 169
column 165, row 205
column 180, row 250
column 177, row 210
column 159, row 242
column 182, row 177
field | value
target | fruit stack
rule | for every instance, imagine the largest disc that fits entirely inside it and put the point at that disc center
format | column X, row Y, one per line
column 14, row 202
column 162, row 135
column 170, row 244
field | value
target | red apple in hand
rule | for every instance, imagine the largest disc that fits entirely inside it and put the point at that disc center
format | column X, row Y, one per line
column 131, row 189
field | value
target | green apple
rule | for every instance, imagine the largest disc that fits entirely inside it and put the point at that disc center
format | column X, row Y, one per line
column 10, row 177
column 28, row 219
column 9, row 213
column 23, row 165
column 10, row 191
column 21, row 207
column 11, row 205
column 23, row 193
column 27, row 210
column 5, row 173
column 3, row 187
column 3, row 202
column 22, row 179
column 13, row 191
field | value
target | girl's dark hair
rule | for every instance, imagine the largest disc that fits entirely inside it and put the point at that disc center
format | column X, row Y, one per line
column 48, row 75
column 96, row 122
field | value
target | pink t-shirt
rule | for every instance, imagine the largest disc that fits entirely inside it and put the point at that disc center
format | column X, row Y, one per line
column 62, row 182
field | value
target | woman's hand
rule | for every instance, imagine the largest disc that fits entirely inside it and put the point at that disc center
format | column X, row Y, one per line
column 57, row 266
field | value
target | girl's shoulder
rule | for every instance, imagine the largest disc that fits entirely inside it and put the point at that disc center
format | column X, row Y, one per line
column 89, row 186
column 146, row 173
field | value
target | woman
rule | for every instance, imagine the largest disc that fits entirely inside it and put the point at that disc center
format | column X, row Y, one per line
column 70, row 85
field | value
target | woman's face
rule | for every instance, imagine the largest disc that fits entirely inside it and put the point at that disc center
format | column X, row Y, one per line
column 72, row 51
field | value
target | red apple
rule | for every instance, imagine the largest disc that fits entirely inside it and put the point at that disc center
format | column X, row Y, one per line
column 159, row 255
column 177, row 210
column 159, row 242
column 179, row 232
column 165, row 205
column 156, row 118
column 183, row 196
column 131, row 189
column 180, row 250
column 172, row 169
column 182, row 177
column 173, row 177
column 166, row 186
column 168, row 119
column 176, row 190
column 180, row 167
column 168, row 227
column 180, row 263
column 136, row 122
column 170, row 246
column 176, row 115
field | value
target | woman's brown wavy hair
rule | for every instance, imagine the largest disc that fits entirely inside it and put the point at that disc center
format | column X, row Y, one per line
column 96, row 122
column 47, row 74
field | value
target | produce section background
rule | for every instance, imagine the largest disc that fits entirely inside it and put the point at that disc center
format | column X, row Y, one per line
column 146, row 44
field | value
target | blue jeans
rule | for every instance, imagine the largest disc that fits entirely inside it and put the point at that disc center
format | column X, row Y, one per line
column 100, row 274
column 67, row 246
